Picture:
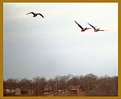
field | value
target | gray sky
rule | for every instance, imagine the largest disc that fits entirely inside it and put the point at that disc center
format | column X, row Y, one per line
column 55, row 45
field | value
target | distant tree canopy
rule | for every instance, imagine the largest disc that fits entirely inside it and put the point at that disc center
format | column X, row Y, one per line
column 91, row 84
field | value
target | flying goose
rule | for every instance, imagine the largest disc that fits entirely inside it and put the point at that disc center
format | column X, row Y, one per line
column 35, row 14
column 95, row 29
column 82, row 29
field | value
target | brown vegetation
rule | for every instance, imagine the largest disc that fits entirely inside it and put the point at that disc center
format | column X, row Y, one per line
column 89, row 85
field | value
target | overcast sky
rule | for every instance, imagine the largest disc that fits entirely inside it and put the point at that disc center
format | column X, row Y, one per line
column 55, row 45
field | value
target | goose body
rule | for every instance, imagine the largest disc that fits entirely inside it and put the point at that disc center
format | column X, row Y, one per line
column 95, row 29
column 35, row 14
column 82, row 29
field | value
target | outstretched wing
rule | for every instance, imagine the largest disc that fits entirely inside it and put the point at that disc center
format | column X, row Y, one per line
column 79, row 25
column 92, row 26
column 30, row 13
column 40, row 14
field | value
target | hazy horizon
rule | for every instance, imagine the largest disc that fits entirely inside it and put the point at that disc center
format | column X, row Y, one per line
column 55, row 45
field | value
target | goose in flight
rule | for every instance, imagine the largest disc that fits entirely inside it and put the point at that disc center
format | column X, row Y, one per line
column 35, row 14
column 95, row 29
column 82, row 29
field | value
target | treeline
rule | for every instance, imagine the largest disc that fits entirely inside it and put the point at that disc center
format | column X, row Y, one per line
column 90, row 84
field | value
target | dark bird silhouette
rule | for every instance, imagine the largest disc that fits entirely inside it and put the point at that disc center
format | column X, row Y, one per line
column 82, row 29
column 95, row 29
column 35, row 14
